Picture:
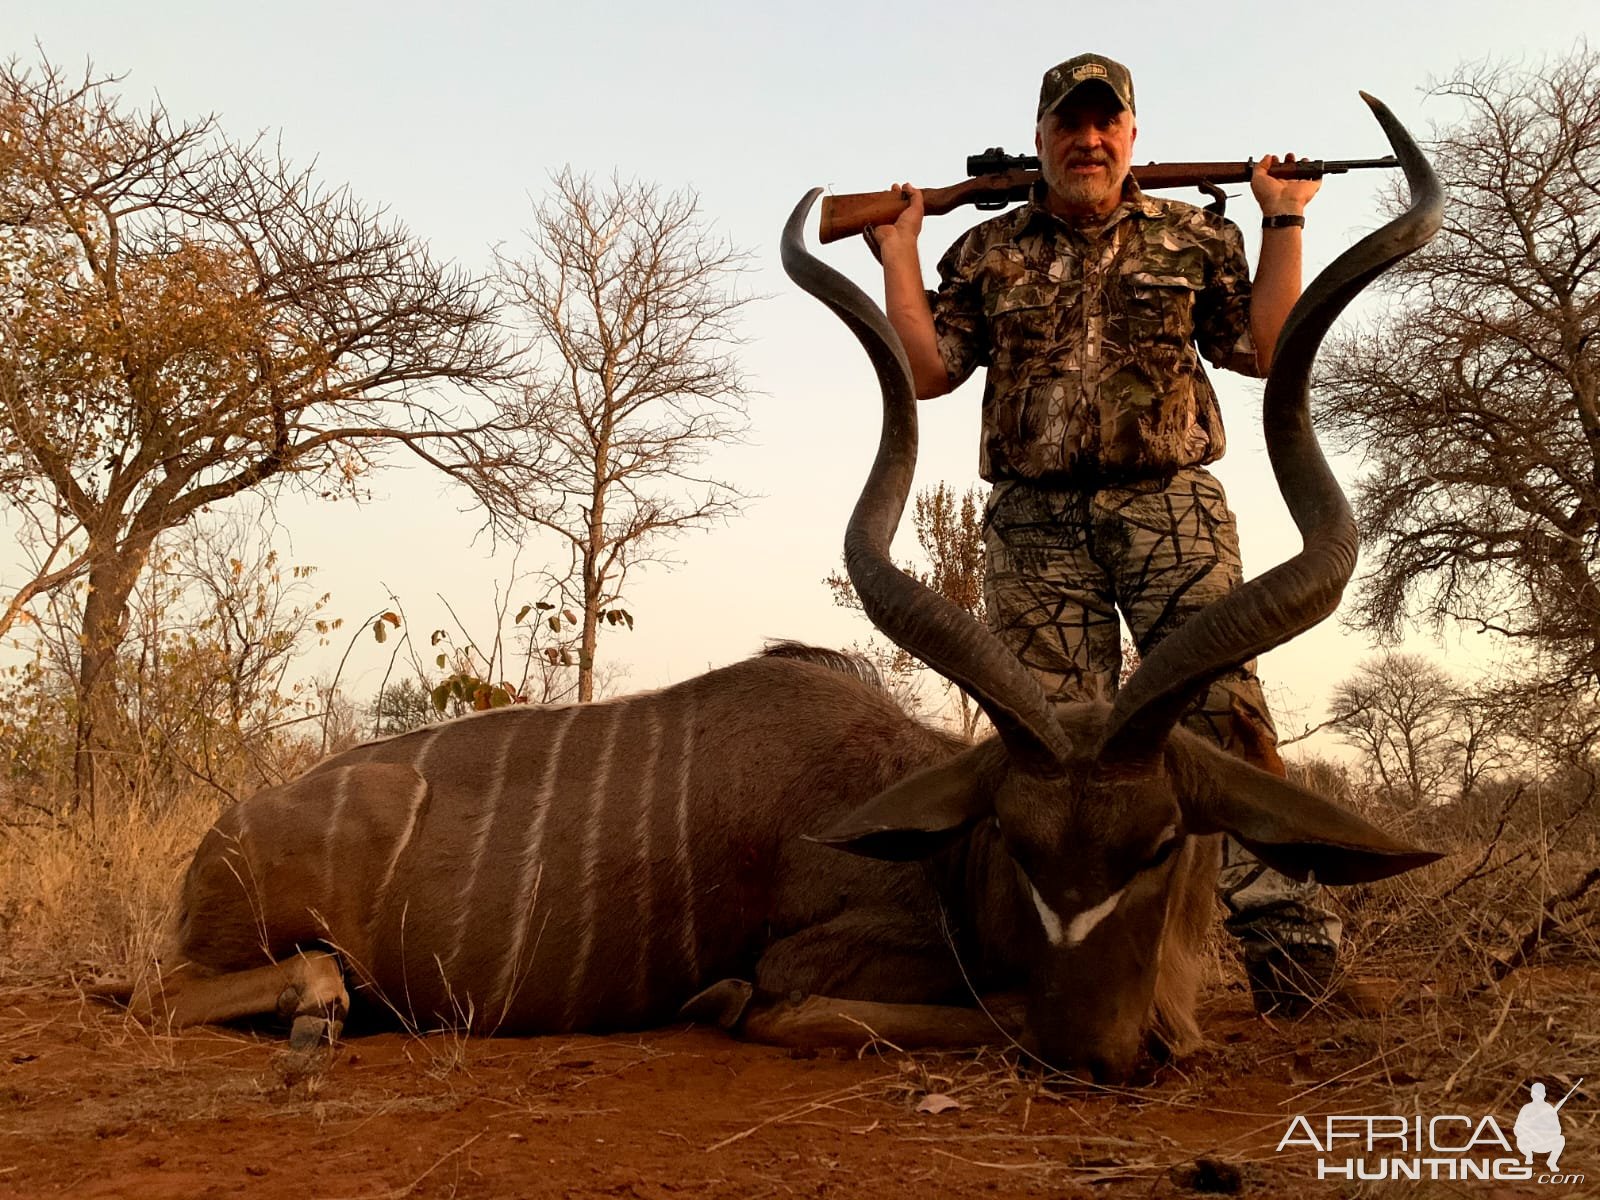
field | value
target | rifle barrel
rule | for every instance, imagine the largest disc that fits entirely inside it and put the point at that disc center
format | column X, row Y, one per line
column 1192, row 174
column 1013, row 177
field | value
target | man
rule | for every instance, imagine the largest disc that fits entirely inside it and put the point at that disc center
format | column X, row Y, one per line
column 1538, row 1127
column 1090, row 306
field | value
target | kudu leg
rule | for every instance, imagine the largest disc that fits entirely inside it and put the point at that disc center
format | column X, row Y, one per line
column 307, row 990
column 871, row 953
column 812, row 1022
column 895, row 959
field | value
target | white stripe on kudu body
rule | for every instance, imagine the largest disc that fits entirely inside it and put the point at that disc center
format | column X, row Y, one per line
column 239, row 861
column 493, row 794
column 381, row 894
column 529, row 867
column 642, row 841
column 594, row 809
column 691, row 944
column 330, row 861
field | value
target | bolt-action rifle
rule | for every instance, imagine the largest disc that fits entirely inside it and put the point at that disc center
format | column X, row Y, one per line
column 999, row 179
column 1568, row 1096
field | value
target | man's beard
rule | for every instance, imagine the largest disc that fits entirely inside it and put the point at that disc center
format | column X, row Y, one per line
column 1080, row 190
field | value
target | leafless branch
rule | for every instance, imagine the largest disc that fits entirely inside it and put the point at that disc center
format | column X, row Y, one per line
column 629, row 305
column 1474, row 398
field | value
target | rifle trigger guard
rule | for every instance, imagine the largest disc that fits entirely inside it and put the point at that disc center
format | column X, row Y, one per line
column 1219, row 198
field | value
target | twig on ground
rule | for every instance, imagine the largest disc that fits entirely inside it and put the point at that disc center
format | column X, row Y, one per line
column 1547, row 923
column 1492, row 844
column 401, row 1193
column 855, row 1092
column 1483, row 1044
column 874, row 1039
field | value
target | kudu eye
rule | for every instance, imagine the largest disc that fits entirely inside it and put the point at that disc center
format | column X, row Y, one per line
column 1163, row 852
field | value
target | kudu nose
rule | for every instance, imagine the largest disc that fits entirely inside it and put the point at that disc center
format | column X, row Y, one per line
column 1107, row 1069
column 1101, row 1064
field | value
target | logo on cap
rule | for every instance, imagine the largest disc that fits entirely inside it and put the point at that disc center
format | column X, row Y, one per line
column 1064, row 77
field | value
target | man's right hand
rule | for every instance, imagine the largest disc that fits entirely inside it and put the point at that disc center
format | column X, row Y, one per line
column 895, row 246
column 905, row 229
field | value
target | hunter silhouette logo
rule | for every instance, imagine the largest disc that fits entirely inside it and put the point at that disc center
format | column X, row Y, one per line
column 1538, row 1127
column 1451, row 1146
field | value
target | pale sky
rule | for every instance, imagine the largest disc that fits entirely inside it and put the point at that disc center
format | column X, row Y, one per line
column 453, row 122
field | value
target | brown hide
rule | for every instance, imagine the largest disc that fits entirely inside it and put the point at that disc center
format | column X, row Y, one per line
column 587, row 867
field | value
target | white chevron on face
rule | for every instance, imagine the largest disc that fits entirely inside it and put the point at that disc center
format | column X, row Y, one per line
column 1082, row 925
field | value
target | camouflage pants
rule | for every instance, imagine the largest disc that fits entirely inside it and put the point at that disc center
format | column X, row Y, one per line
column 1062, row 563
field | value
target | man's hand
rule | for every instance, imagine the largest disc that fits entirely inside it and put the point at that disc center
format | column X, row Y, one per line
column 1277, row 281
column 1278, row 196
column 907, row 227
column 895, row 246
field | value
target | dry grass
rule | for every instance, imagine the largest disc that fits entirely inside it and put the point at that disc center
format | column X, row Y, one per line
column 1495, row 955
column 79, row 900
column 1489, row 960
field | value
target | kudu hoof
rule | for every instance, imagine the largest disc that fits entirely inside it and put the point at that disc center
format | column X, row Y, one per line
column 315, row 1007
column 308, row 1032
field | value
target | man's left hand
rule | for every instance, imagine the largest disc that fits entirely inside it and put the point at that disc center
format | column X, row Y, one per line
column 1277, row 196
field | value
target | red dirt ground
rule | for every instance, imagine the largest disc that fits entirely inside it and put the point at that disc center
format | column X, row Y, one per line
column 93, row 1106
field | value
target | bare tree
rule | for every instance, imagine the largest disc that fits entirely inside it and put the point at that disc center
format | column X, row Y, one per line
column 1475, row 398
column 184, row 318
column 1400, row 710
column 1540, row 730
column 1483, row 735
column 630, row 300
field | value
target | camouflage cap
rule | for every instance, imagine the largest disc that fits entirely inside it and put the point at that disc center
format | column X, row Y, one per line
column 1062, row 80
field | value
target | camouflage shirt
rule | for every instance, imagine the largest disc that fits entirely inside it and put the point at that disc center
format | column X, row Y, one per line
column 1090, row 335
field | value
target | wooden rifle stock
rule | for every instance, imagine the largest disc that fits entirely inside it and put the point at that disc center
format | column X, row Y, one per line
column 847, row 215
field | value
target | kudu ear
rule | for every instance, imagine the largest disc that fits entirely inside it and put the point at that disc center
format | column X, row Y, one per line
column 924, row 812
column 1289, row 828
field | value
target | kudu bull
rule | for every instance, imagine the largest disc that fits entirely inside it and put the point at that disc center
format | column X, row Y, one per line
column 591, row 867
